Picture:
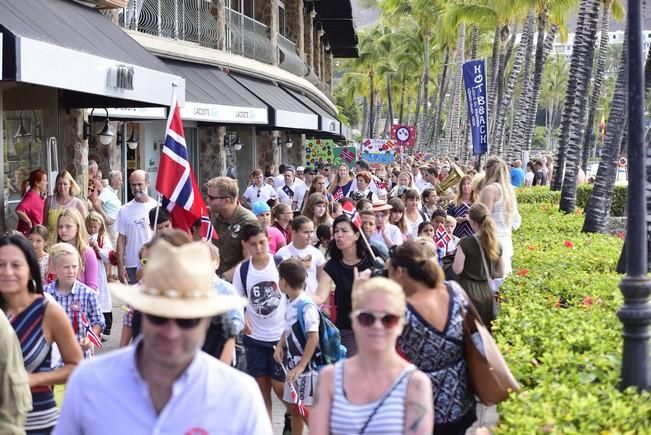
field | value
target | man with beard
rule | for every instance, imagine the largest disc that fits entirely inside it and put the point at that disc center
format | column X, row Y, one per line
column 132, row 226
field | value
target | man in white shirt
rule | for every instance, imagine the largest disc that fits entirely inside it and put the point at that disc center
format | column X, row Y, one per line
column 301, row 248
column 258, row 191
column 132, row 226
column 291, row 192
column 279, row 179
column 164, row 383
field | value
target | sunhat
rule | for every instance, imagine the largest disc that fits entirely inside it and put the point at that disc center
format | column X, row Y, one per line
column 381, row 206
column 260, row 207
column 177, row 283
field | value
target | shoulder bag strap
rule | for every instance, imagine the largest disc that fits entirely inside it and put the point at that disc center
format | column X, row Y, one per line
column 483, row 259
column 386, row 396
column 244, row 271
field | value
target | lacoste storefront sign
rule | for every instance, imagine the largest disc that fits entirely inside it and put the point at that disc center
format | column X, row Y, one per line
column 220, row 113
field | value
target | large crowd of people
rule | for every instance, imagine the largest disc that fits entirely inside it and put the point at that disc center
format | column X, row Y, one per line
column 214, row 329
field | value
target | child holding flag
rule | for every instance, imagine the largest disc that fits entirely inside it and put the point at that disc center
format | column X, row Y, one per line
column 299, row 343
column 79, row 301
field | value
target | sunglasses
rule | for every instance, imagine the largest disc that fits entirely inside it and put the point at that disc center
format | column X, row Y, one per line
column 368, row 318
column 181, row 323
column 212, row 198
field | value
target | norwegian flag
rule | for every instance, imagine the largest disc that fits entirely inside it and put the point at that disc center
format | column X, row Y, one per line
column 347, row 155
column 176, row 180
column 297, row 400
column 442, row 237
column 349, row 210
column 97, row 342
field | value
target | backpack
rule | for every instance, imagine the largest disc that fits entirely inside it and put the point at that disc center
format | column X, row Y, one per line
column 244, row 270
column 330, row 349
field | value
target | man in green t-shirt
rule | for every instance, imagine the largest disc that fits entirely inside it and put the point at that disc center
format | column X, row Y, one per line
column 228, row 217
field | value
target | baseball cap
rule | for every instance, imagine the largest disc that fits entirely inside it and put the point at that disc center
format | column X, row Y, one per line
column 259, row 207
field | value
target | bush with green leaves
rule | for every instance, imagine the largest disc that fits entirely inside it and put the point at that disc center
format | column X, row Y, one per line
column 537, row 194
column 618, row 206
column 559, row 331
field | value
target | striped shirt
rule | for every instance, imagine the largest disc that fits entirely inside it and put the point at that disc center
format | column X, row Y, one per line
column 385, row 415
column 81, row 299
column 28, row 325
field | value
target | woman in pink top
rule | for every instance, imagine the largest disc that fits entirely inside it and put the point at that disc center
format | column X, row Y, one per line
column 262, row 211
column 30, row 208
column 71, row 229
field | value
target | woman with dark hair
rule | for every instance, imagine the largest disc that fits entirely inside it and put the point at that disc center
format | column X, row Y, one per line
column 30, row 208
column 458, row 208
column 347, row 252
column 38, row 323
column 432, row 338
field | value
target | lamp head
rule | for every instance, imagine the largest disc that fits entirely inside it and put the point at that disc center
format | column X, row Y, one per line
column 106, row 134
column 132, row 142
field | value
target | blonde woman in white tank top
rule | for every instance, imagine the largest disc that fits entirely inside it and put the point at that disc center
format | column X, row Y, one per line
column 375, row 391
column 498, row 196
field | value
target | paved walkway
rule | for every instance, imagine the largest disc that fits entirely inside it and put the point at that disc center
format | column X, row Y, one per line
column 277, row 407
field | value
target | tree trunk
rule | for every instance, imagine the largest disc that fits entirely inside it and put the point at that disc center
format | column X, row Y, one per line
column 589, row 136
column 541, row 58
column 495, row 61
column 455, row 116
column 371, row 105
column 514, row 148
column 419, row 96
column 403, row 91
column 426, row 38
column 389, row 103
column 577, row 127
column 503, row 104
column 365, row 117
column 570, row 92
column 443, row 87
column 501, row 70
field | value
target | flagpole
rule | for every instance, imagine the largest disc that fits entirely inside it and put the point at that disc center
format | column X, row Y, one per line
column 156, row 216
column 368, row 245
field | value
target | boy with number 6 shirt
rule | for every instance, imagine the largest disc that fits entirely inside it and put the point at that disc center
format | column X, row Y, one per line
column 257, row 280
column 299, row 343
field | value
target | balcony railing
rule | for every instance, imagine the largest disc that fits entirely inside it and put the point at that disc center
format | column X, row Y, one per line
column 247, row 37
column 289, row 59
column 181, row 20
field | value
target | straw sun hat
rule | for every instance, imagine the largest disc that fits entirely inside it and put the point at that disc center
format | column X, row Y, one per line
column 177, row 283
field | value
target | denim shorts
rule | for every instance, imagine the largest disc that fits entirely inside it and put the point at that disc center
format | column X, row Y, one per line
column 260, row 359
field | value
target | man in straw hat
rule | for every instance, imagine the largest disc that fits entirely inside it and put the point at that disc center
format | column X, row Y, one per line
column 164, row 383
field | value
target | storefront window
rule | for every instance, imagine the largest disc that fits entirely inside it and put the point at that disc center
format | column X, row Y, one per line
column 29, row 118
column 243, row 158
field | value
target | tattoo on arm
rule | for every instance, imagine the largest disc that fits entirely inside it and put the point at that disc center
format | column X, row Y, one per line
column 419, row 412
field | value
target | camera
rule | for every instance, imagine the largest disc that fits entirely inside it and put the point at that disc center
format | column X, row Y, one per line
column 379, row 268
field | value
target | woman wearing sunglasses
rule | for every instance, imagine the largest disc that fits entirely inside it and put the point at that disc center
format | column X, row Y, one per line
column 432, row 338
column 375, row 391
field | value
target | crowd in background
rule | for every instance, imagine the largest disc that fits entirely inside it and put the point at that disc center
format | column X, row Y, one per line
column 299, row 245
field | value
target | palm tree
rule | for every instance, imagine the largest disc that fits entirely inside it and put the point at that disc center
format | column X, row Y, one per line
column 554, row 84
column 598, row 207
column 504, row 103
column 584, row 45
column 598, row 78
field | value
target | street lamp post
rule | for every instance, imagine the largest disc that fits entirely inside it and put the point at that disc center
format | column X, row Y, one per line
column 635, row 314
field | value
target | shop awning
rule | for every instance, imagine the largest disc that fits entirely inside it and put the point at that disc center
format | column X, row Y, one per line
column 286, row 111
column 66, row 45
column 328, row 122
column 211, row 95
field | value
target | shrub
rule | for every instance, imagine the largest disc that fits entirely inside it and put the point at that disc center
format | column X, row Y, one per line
column 559, row 332
column 618, row 206
column 537, row 194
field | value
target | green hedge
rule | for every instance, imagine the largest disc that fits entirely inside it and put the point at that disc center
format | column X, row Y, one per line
column 542, row 194
column 559, row 332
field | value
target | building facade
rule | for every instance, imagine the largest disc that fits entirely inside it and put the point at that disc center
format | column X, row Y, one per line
column 253, row 77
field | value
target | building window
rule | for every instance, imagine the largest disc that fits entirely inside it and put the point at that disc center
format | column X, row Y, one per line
column 282, row 26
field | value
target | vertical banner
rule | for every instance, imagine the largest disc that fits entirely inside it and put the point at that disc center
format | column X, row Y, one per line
column 474, row 80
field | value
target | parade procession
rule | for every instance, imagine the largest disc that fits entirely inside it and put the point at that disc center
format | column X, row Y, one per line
column 324, row 217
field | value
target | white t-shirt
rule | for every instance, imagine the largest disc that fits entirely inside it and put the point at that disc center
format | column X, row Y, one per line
column 266, row 308
column 292, row 328
column 412, row 227
column 394, row 234
column 296, row 199
column 133, row 223
column 264, row 193
column 317, row 260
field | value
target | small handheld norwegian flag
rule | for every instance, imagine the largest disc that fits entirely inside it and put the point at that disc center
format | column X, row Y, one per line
column 97, row 342
column 349, row 210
